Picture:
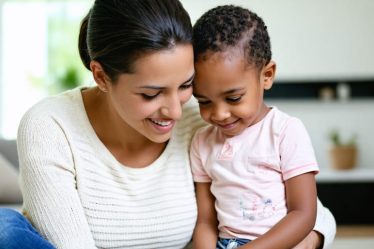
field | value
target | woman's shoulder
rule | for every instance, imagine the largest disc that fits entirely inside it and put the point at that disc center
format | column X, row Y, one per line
column 57, row 109
column 57, row 105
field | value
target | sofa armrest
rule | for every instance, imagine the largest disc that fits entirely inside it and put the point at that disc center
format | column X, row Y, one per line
column 8, row 148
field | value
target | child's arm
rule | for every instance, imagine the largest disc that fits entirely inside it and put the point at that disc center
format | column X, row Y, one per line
column 205, row 234
column 301, row 196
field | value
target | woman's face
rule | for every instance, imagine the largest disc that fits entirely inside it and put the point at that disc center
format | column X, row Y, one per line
column 149, row 101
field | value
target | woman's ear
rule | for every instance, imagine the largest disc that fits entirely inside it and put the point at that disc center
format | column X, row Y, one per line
column 268, row 75
column 101, row 79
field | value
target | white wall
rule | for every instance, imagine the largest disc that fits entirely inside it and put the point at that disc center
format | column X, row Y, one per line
column 313, row 39
column 353, row 117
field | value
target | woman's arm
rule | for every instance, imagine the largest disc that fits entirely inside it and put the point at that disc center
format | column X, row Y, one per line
column 301, row 196
column 48, row 184
column 205, row 233
column 325, row 225
column 323, row 233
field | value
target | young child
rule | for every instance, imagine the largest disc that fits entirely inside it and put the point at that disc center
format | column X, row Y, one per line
column 254, row 167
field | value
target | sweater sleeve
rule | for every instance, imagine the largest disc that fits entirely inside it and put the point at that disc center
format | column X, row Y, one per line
column 325, row 224
column 48, row 183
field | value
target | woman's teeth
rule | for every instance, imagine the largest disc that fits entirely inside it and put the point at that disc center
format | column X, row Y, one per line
column 161, row 123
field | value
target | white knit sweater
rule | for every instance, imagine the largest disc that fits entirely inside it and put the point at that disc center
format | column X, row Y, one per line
column 77, row 195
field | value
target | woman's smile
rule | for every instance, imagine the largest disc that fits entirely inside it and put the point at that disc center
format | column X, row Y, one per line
column 162, row 125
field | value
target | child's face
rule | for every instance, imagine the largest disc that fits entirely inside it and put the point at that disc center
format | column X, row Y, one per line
column 230, row 92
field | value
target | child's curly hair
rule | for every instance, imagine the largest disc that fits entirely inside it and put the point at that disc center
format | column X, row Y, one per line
column 228, row 26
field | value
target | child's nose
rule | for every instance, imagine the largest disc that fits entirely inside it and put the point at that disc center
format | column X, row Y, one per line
column 220, row 112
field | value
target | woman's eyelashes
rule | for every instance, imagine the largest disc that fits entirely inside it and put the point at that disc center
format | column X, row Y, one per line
column 149, row 96
column 186, row 86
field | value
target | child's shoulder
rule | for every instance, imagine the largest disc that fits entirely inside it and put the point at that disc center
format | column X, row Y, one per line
column 205, row 132
column 280, row 120
column 279, row 115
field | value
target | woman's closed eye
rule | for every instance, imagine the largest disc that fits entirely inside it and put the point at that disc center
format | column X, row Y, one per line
column 186, row 86
column 149, row 96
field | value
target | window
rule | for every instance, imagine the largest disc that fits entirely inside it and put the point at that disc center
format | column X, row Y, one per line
column 38, row 47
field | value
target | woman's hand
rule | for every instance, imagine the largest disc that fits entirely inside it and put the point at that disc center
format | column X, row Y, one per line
column 314, row 240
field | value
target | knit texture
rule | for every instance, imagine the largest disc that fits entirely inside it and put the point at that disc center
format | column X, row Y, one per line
column 77, row 195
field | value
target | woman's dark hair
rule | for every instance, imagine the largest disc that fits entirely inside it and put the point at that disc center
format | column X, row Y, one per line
column 117, row 32
column 226, row 27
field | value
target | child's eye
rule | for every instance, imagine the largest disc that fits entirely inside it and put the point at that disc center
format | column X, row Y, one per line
column 203, row 102
column 149, row 96
column 234, row 99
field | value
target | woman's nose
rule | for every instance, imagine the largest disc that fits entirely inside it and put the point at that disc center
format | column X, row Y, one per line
column 172, row 107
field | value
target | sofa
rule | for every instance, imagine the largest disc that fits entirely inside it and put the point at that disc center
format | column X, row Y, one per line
column 10, row 194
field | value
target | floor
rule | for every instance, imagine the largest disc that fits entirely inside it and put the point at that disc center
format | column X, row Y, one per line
column 354, row 237
column 347, row 237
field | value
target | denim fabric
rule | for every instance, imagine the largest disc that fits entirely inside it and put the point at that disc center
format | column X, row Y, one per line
column 230, row 243
column 16, row 232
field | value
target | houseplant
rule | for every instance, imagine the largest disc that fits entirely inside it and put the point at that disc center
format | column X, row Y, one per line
column 343, row 155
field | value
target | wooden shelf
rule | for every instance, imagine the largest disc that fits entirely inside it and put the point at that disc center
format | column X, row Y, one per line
column 355, row 231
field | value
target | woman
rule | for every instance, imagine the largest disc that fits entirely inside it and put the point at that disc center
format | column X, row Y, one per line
column 107, row 166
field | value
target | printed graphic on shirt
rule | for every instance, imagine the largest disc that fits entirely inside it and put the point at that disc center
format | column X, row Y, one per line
column 254, row 208
column 227, row 152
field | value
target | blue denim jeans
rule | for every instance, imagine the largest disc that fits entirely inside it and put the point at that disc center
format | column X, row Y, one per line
column 16, row 232
column 230, row 243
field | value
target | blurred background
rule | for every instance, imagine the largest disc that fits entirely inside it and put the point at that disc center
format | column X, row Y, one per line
column 38, row 54
column 325, row 76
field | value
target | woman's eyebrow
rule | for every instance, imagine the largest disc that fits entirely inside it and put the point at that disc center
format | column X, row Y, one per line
column 161, row 87
column 190, row 79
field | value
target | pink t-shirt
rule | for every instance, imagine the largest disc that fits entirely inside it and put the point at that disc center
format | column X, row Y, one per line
column 247, row 172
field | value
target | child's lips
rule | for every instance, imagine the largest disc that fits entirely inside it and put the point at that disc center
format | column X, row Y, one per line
column 228, row 125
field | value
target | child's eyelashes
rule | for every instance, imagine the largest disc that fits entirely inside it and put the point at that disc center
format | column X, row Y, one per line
column 203, row 102
column 234, row 99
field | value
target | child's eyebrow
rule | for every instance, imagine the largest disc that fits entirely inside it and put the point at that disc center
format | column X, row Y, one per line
column 197, row 95
column 233, row 90
column 230, row 91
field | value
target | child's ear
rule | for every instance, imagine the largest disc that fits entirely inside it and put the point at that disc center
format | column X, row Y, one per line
column 268, row 75
column 100, row 76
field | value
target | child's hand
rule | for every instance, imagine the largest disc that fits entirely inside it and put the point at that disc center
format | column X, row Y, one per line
column 314, row 240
